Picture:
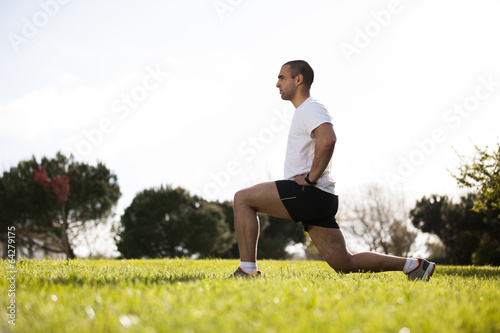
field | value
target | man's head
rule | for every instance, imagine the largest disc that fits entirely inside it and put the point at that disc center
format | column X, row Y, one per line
column 300, row 67
column 295, row 76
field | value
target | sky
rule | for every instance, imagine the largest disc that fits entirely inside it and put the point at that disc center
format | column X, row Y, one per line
column 182, row 93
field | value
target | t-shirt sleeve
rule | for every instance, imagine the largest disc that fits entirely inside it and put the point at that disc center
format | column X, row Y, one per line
column 316, row 115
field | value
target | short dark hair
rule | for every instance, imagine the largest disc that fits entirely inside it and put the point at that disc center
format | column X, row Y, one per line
column 303, row 68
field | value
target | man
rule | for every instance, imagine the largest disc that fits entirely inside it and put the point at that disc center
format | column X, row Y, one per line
column 307, row 194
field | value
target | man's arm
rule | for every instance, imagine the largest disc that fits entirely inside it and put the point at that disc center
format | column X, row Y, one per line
column 323, row 151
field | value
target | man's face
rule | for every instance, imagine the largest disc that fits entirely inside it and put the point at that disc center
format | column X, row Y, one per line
column 286, row 83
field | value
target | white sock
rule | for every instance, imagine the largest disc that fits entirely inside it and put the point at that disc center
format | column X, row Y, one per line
column 410, row 265
column 248, row 267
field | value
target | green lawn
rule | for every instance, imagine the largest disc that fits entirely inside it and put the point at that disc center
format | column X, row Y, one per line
column 196, row 296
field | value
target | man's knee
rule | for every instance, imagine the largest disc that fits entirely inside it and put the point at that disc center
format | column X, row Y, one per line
column 243, row 199
column 338, row 258
column 337, row 263
column 240, row 197
column 341, row 268
column 263, row 198
column 247, row 196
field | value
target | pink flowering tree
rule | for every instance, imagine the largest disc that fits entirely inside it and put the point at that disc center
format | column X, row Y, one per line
column 59, row 185
column 35, row 197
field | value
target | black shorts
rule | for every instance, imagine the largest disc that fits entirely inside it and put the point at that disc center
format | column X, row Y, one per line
column 308, row 204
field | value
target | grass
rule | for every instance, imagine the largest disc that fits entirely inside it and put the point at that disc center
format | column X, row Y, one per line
column 196, row 296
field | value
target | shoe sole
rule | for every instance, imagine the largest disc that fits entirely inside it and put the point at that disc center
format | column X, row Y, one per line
column 429, row 271
column 244, row 275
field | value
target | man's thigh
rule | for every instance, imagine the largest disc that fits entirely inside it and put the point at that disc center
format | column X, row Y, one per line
column 264, row 198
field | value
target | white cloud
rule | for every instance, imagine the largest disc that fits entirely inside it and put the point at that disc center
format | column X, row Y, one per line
column 48, row 110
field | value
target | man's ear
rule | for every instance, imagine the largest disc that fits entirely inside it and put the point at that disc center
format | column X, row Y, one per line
column 299, row 79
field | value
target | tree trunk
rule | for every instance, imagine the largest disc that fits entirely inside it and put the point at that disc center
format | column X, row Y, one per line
column 64, row 235
column 5, row 249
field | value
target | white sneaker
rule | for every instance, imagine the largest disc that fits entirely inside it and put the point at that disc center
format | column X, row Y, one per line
column 423, row 271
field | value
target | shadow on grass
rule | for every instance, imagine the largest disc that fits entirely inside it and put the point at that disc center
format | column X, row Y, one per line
column 115, row 279
column 123, row 281
column 469, row 271
column 81, row 273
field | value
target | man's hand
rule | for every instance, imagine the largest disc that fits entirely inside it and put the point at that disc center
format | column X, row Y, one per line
column 301, row 179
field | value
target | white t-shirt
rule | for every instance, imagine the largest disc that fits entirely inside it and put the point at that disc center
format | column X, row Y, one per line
column 300, row 148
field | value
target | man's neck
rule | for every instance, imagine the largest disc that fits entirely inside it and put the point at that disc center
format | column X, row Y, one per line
column 299, row 99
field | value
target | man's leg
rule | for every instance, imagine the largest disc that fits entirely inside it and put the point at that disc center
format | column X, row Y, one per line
column 331, row 245
column 261, row 198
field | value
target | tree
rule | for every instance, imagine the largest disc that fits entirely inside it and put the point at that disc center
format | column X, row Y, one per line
column 94, row 193
column 227, row 208
column 209, row 234
column 169, row 222
column 276, row 235
column 46, row 201
column 459, row 228
column 28, row 207
column 59, row 185
column 379, row 219
column 153, row 225
column 482, row 175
